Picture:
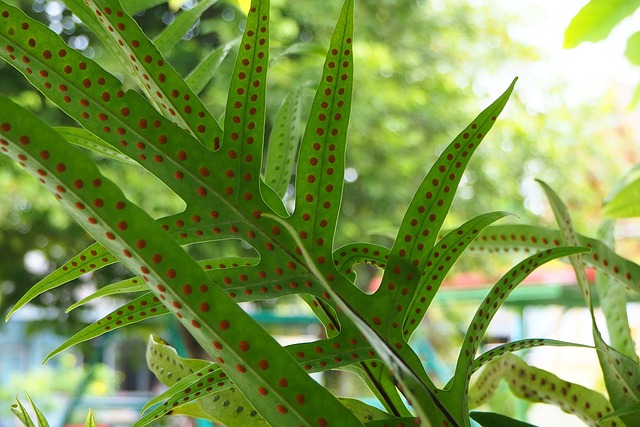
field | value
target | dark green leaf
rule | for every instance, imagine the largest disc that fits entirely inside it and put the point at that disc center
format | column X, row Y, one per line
column 491, row 419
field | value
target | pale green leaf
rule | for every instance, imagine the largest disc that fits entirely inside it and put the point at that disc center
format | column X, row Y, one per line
column 632, row 51
column 90, row 421
column 124, row 286
column 625, row 204
column 596, row 19
column 85, row 139
column 205, row 70
column 171, row 35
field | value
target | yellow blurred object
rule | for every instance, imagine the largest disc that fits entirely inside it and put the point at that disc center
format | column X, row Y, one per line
column 174, row 5
column 243, row 5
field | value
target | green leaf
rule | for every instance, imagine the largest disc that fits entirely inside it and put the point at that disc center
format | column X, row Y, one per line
column 413, row 248
column 85, row 139
column 155, row 76
column 537, row 385
column 135, row 6
column 510, row 347
column 444, row 255
column 320, row 170
column 21, row 413
column 165, row 363
column 143, row 307
column 306, row 48
column 621, row 374
column 417, row 387
column 345, row 257
column 528, row 238
column 363, row 411
column 283, row 144
column 207, row 380
column 632, row 51
column 173, row 33
column 42, row 421
column 91, row 259
column 393, row 422
column 596, row 19
column 491, row 419
column 228, row 406
column 194, row 380
column 381, row 382
column 90, row 421
column 490, row 305
column 626, row 203
column 202, row 74
column 612, row 296
column 223, row 329
column 632, row 409
column 134, row 284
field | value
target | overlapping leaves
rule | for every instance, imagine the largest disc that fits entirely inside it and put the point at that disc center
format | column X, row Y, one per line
column 166, row 129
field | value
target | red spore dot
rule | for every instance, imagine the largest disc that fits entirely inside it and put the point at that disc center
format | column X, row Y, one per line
column 282, row 409
column 225, row 325
column 263, row 391
column 244, row 346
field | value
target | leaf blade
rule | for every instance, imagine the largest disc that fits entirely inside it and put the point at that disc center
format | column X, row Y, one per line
column 596, row 19
column 93, row 258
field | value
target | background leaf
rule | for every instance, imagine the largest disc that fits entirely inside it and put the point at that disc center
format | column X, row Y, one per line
column 491, row 419
column 626, row 203
column 596, row 19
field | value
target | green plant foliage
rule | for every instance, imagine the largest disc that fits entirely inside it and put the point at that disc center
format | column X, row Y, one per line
column 491, row 419
column 23, row 416
column 619, row 362
column 530, row 238
column 218, row 171
column 621, row 374
column 625, row 203
column 612, row 296
column 596, row 19
column 537, row 385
